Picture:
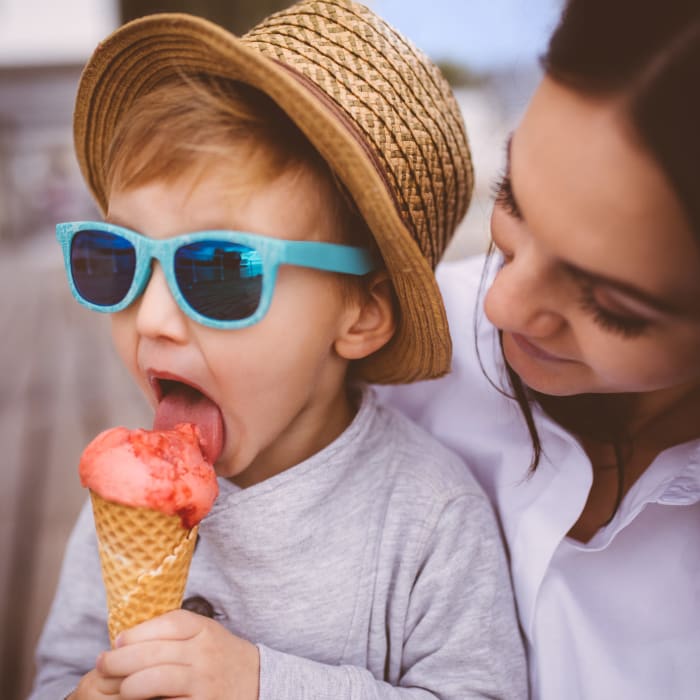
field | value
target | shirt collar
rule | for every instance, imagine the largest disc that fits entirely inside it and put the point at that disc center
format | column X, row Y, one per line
column 683, row 489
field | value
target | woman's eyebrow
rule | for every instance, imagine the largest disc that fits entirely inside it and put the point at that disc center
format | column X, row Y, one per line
column 653, row 302
column 661, row 305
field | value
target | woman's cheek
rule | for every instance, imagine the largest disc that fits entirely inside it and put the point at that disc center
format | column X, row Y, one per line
column 624, row 365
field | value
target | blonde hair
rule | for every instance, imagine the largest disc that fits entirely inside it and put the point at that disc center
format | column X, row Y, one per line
column 180, row 125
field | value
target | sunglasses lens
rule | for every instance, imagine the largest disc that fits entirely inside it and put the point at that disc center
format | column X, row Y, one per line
column 102, row 265
column 220, row 280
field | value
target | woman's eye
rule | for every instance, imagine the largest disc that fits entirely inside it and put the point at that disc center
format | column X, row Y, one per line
column 626, row 325
column 504, row 198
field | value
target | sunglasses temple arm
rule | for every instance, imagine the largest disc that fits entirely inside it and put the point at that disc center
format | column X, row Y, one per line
column 330, row 257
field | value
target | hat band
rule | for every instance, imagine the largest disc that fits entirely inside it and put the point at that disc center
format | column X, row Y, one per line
column 351, row 127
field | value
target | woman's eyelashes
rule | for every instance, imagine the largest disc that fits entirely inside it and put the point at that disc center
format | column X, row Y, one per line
column 625, row 325
column 504, row 198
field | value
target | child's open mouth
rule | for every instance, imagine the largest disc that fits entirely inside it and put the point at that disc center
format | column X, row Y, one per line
column 179, row 402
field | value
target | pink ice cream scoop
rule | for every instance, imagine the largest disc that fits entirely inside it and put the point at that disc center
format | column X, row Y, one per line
column 149, row 491
column 162, row 470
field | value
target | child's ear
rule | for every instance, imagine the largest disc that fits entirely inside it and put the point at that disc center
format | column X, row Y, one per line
column 372, row 321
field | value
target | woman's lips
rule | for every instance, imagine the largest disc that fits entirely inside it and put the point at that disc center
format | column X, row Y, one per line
column 533, row 350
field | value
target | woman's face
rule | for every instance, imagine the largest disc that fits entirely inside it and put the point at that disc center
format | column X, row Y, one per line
column 599, row 290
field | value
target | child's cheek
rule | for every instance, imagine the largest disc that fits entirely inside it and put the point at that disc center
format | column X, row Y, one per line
column 124, row 339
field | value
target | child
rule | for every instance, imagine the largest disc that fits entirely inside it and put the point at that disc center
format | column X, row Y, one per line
column 348, row 554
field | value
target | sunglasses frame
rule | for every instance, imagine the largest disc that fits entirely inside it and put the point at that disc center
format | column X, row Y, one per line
column 330, row 257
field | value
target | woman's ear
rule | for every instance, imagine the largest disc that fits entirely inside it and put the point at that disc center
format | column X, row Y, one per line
column 372, row 321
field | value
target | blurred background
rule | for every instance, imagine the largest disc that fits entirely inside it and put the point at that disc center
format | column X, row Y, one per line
column 60, row 382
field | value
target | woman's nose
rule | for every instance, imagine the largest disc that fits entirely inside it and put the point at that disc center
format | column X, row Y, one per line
column 523, row 299
column 158, row 315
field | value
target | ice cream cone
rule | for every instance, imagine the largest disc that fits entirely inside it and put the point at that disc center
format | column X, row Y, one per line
column 145, row 557
column 149, row 490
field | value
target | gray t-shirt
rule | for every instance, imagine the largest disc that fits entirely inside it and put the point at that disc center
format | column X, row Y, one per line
column 374, row 569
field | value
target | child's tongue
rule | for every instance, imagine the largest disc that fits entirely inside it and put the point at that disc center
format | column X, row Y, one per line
column 182, row 404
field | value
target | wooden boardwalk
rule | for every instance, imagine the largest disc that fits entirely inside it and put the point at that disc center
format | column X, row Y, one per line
column 60, row 384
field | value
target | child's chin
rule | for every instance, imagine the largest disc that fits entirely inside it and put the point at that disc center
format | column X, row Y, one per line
column 226, row 468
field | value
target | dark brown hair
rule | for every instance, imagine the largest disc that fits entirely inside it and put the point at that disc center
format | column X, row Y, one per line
column 647, row 54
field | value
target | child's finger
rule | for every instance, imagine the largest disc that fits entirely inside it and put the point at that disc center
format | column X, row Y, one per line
column 107, row 685
column 133, row 658
column 178, row 624
column 171, row 681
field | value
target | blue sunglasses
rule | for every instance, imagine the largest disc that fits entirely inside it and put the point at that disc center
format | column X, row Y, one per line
column 221, row 279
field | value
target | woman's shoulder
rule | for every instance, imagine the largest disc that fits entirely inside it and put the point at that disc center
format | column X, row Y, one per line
column 469, row 409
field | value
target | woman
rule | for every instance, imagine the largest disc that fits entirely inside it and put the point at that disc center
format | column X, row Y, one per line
column 575, row 389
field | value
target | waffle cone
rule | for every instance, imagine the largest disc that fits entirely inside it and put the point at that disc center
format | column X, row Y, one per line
column 145, row 557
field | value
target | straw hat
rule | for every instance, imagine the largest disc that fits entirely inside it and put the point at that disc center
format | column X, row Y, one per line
column 377, row 110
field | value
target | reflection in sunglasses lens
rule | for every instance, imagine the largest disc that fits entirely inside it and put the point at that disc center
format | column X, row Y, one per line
column 102, row 266
column 220, row 280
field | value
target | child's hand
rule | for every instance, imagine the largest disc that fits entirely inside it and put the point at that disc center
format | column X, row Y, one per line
column 182, row 654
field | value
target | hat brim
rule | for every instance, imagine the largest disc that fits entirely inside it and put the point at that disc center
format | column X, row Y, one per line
column 156, row 48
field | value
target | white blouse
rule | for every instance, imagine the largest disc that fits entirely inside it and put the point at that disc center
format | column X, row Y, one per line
column 617, row 617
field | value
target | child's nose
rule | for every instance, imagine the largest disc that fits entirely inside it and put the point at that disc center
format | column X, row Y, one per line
column 158, row 314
